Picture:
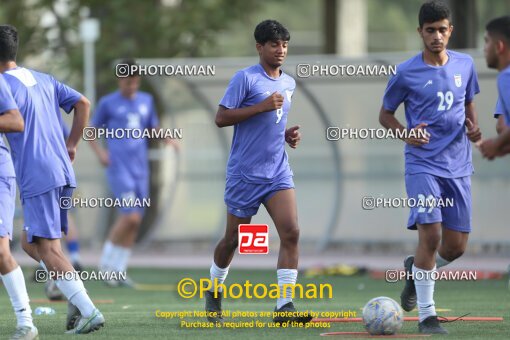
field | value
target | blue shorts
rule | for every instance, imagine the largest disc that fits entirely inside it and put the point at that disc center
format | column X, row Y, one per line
column 44, row 217
column 129, row 187
column 7, row 205
column 453, row 195
column 243, row 199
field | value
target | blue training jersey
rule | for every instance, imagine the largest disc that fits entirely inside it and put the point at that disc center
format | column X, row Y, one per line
column 436, row 95
column 6, row 103
column 258, row 146
column 39, row 153
column 65, row 130
column 503, row 104
column 114, row 111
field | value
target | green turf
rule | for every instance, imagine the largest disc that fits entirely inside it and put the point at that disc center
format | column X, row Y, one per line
column 132, row 315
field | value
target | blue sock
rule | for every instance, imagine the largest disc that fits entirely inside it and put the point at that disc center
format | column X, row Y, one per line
column 73, row 247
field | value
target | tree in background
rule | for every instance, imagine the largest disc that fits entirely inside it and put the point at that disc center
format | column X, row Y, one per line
column 49, row 30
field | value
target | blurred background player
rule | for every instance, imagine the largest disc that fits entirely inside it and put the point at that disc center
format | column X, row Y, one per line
column 10, row 272
column 127, row 163
column 497, row 55
column 257, row 102
column 437, row 88
column 45, row 174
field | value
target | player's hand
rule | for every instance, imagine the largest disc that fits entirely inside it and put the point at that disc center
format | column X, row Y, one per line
column 420, row 139
column 473, row 131
column 489, row 148
column 104, row 158
column 71, row 150
column 293, row 136
column 271, row 103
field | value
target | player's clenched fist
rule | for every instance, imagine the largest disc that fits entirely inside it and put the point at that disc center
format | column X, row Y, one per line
column 473, row 131
column 293, row 136
column 273, row 102
column 72, row 152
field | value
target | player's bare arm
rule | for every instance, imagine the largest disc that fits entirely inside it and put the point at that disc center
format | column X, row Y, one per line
column 500, row 125
column 228, row 117
column 473, row 130
column 388, row 120
column 101, row 153
column 11, row 121
column 80, row 119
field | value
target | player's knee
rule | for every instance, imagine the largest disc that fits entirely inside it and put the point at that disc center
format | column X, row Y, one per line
column 453, row 249
column 48, row 251
column 432, row 242
column 134, row 220
column 290, row 235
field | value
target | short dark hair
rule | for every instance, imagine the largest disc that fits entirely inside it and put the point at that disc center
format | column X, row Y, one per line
column 270, row 30
column 433, row 11
column 500, row 26
column 129, row 62
column 8, row 43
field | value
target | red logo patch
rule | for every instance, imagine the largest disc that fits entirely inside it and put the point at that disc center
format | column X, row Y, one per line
column 253, row 238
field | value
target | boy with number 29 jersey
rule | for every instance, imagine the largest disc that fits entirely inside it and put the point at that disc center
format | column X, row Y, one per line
column 436, row 95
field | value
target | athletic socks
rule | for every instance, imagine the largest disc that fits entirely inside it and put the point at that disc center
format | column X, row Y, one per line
column 440, row 262
column 75, row 292
column 285, row 277
column 424, row 284
column 106, row 261
column 122, row 256
column 14, row 283
column 115, row 258
column 220, row 274
column 425, row 288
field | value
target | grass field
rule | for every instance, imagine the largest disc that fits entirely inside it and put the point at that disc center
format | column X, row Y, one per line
column 130, row 314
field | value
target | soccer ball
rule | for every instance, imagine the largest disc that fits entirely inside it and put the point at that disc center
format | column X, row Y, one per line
column 383, row 316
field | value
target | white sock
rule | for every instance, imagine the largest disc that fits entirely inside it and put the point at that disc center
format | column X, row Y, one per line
column 41, row 263
column 218, row 273
column 106, row 258
column 116, row 257
column 14, row 283
column 285, row 276
column 121, row 257
column 440, row 262
column 424, row 284
column 75, row 292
